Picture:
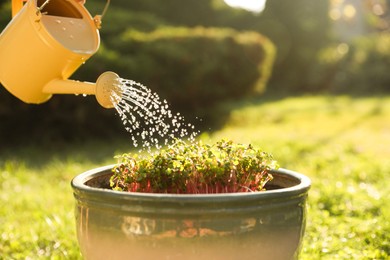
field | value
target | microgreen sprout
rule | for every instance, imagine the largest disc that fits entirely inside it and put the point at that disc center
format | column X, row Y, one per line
column 195, row 168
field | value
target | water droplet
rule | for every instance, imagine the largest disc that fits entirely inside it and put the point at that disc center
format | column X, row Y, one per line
column 148, row 118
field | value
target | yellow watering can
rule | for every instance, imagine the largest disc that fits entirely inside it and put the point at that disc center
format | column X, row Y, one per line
column 44, row 44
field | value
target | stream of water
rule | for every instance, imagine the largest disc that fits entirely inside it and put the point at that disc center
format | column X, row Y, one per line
column 147, row 118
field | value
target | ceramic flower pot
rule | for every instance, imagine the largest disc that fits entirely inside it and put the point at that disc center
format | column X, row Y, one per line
column 258, row 225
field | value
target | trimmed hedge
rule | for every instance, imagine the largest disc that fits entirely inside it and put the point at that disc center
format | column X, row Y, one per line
column 193, row 67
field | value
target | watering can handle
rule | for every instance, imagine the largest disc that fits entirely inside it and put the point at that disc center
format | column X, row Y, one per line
column 16, row 6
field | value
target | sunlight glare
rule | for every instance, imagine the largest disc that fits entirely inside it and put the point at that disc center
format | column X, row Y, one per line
column 256, row 6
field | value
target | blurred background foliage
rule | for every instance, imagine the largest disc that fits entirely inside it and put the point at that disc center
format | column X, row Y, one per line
column 198, row 54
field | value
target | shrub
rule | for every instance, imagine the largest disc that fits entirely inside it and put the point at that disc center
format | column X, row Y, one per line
column 195, row 67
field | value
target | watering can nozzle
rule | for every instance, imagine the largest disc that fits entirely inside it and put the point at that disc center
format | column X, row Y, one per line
column 108, row 92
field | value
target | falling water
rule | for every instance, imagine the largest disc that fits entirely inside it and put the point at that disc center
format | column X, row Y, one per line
column 147, row 118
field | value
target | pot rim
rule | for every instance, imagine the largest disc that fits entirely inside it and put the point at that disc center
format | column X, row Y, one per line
column 78, row 184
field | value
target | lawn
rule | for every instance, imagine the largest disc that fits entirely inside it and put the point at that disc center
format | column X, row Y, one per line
column 341, row 143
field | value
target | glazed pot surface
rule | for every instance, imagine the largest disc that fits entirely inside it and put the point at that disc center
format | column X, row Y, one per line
column 257, row 225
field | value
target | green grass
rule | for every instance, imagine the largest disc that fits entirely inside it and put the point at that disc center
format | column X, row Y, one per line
column 341, row 143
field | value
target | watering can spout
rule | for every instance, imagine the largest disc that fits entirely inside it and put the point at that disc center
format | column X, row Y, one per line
column 106, row 89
